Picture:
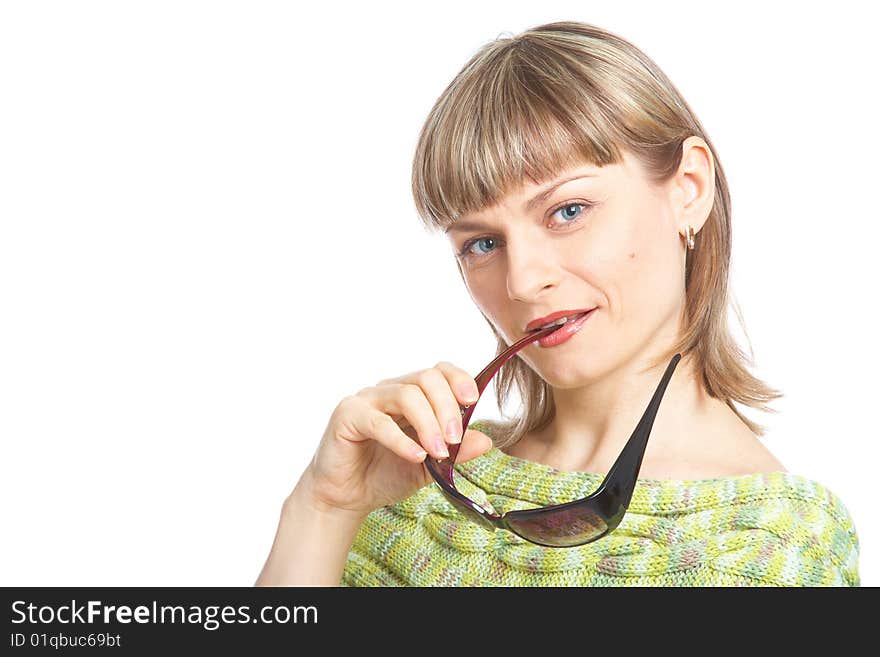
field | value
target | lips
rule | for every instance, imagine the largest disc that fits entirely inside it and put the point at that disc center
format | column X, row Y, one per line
column 552, row 317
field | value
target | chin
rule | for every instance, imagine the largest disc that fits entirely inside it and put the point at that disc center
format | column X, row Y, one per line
column 578, row 365
column 573, row 371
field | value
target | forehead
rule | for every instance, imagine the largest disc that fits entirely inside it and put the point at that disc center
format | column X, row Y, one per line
column 628, row 166
column 530, row 194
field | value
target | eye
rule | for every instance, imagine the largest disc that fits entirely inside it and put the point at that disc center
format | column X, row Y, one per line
column 466, row 251
column 570, row 211
column 565, row 210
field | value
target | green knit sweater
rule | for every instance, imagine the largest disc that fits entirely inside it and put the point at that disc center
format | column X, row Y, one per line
column 775, row 529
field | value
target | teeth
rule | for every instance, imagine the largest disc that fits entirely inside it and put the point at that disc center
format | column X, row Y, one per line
column 560, row 321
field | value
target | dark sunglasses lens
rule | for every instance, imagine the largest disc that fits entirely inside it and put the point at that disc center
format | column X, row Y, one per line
column 562, row 528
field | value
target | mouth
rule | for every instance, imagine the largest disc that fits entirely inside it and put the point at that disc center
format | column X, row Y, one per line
column 559, row 321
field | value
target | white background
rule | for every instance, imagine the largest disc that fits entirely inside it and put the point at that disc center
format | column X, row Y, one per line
column 207, row 239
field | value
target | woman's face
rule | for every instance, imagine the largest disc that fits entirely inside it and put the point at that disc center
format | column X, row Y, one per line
column 607, row 240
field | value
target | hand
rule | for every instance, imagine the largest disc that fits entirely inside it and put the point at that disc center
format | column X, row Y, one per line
column 372, row 450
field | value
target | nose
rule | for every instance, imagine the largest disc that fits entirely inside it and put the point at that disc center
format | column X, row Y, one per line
column 531, row 270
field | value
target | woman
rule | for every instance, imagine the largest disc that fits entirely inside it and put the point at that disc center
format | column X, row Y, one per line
column 569, row 175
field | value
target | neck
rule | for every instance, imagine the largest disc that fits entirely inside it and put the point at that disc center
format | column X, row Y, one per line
column 593, row 423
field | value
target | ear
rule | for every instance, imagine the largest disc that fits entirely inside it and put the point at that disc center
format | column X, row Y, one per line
column 693, row 186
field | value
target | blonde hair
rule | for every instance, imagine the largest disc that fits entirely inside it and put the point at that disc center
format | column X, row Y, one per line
column 555, row 96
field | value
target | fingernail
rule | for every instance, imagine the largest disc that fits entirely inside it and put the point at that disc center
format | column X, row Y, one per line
column 440, row 446
column 453, row 430
column 468, row 394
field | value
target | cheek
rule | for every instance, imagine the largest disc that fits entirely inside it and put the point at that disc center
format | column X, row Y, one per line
column 640, row 271
column 651, row 276
column 485, row 296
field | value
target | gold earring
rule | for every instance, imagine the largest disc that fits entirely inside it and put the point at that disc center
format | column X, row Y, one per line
column 690, row 237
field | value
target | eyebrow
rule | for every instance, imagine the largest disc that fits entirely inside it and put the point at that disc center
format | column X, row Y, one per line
column 464, row 225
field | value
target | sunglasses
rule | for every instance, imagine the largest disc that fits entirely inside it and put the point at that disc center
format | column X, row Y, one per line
column 559, row 525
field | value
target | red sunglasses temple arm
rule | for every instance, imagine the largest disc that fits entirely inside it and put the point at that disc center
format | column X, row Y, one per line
column 483, row 378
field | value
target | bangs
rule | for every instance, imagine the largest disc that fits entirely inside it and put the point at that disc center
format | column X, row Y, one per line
column 524, row 116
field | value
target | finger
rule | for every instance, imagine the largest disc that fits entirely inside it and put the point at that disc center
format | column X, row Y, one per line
column 438, row 390
column 463, row 384
column 475, row 443
column 398, row 379
column 409, row 400
column 378, row 426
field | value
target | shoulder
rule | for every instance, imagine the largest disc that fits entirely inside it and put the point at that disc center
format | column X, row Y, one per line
column 744, row 454
column 733, row 453
column 719, row 462
column 770, row 529
column 791, row 531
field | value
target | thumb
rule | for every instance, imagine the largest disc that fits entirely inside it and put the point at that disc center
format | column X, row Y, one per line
column 475, row 443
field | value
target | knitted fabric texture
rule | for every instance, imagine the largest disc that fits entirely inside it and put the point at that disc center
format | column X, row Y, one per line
column 764, row 529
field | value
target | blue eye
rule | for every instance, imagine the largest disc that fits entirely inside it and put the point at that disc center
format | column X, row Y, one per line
column 477, row 241
column 570, row 218
column 568, row 207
